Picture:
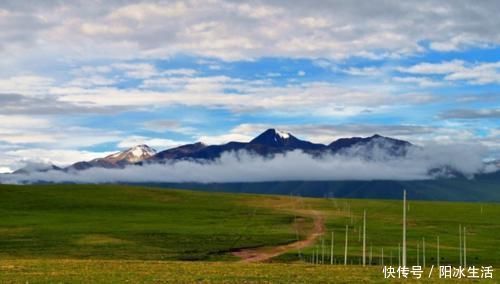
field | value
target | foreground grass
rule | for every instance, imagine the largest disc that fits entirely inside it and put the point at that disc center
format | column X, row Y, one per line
column 116, row 234
column 121, row 222
column 113, row 271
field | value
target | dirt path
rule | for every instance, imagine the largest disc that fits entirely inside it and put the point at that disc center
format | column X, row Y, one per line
column 263, row 254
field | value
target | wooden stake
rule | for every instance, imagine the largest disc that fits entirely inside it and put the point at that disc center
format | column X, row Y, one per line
column 404, row 228
column 418, row 255
column 331, row 250
column 423, row 251
column 364, row 238
column 438, row 251
column 465, row 249
column 346, row 243
column 460, row 242
column 322, row 250
column 313, row 257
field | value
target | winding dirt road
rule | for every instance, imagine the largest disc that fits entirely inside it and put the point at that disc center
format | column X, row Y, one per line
column 264, row 254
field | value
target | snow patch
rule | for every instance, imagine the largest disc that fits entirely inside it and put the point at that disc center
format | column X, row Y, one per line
column 282, row 134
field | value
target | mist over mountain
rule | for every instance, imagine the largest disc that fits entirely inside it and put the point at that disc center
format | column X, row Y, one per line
column 272, row 156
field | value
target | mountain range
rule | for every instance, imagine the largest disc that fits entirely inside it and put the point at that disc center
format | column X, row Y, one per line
column 444, row 183
column 267, row 144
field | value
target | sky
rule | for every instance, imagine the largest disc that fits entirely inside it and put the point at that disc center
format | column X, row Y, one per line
column 82, row 79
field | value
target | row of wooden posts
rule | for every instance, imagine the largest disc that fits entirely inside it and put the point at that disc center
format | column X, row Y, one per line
column 319, row 256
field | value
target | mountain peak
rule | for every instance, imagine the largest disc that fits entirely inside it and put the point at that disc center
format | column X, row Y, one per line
column 273, row 137
column 133, row 154
column 281, row 139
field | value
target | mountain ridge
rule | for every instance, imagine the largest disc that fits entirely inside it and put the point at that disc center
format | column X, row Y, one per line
column 268, row 143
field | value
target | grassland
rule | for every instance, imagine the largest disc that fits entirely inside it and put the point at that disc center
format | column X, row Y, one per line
column 118, row 222
column 425, row 220
column 114, row 271
column 113, row 234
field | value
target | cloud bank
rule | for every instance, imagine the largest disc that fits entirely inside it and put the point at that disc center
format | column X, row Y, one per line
column 245, row 167
column 232, row 30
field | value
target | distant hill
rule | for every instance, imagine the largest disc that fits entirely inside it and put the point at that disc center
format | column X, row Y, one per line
column 484, row 188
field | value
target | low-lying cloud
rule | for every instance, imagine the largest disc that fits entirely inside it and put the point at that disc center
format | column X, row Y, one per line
column 296, row 165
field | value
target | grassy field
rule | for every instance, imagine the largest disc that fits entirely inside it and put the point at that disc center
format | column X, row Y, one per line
column 113, row 234
column 112, row 271
column 118, row 222
column 425, row 220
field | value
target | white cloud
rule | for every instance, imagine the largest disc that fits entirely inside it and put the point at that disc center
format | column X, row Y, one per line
column 320, row 98
column 484, row 73
column 59, row 157
column 315, row 23
column 91, row 81
column 179, row 72
column 421, row 81
column 435, row 68
column 137, row 70
column 26, row 85
column 364, row 71
column 327, row 29
column 14, row 122
column 457, row 70
column 157, row 143
column 224, row 138
column 33, row 131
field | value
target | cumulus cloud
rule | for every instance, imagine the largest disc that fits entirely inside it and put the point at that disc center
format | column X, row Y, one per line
column 29, row 85
column 478, row 73
column 233, row 30
column 295, row 165
column 321, row 98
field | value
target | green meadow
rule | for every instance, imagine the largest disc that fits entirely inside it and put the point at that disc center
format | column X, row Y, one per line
column 120, row 222
column 115, row 233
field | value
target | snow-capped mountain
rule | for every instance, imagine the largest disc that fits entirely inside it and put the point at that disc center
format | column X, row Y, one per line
column 118, row 160
column 281, row 139
column 132, row 155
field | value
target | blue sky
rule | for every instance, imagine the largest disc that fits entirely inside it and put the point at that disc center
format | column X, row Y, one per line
column 79, row 81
